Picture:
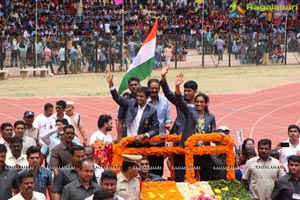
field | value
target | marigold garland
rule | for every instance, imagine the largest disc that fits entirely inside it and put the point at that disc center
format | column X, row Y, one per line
column 160, row 190
column 189, row 151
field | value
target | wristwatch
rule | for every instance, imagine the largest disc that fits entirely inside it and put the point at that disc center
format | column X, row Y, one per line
column 145, row 135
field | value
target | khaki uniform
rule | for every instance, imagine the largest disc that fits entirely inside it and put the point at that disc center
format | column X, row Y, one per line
column 128, row 190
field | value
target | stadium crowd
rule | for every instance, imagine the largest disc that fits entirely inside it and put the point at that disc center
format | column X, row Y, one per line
column 42, row 155
column 96, row 28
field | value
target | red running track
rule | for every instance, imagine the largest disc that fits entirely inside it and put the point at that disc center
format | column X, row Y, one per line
column 260, row 114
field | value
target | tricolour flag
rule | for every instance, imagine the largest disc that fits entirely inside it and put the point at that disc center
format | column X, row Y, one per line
column 142, row 64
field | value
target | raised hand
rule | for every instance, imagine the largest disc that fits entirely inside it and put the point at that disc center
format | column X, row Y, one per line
column 164, row 71
column 109, row 77
column 179, row 79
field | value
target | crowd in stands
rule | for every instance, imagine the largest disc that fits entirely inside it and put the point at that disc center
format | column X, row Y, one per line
column 251, row 37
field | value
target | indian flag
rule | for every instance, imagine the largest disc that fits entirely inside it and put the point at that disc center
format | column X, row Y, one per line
column 142, row 65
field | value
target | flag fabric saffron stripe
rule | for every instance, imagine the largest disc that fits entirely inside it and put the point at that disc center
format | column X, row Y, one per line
column 142, row 64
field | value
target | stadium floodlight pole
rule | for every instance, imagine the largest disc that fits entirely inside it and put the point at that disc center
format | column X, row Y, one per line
column 203, row 33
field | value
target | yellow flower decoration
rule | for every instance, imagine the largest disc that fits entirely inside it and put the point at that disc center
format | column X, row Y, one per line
column 219, row 197
column 217, row 191
column 225, row 189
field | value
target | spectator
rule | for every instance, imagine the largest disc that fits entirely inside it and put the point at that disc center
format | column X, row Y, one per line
column 82, row 187
column 89, row 154
column 6, row 132
column 42, row 121
column 292, row 145
column 261, row 172
column 104, row 126
column 26, row 181
column 19, row 130
column 9, row 184
column 220, row 47
column 144, row 171
column 69, row 173
column 108, row 182
column 61, row 153
column 15, row 158
column 286, row 187
column 42, row 175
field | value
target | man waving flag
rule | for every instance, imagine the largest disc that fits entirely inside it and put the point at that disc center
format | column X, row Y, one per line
column 142, row 64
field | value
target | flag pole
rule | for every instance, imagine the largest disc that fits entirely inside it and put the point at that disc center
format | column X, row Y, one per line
column 36, row 23
column 202, row 33
column 122, row 43
column 285, row 38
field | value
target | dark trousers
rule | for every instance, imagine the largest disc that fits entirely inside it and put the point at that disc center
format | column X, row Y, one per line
column 63, row 64
column 202, row 163
column 157, row 162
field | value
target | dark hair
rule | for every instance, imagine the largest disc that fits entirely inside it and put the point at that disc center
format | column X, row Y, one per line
column 103, row 119
column 76, row 148
column 102, row 194
column 294, row 158
column 62, row 103
column 293, row 126
column 133, row 79
column 246, row 153
column 126, row 165
column 191, row 84
column 80, row 162
column 145, row 158
column 31, row 150
column 15, row 139
column 265, row 142
column 206, row 99
column 89, row 147
column 68, row 126
column 25, row 174
column 4, row 125
column 108, row 174
column 245, row 142
column 47, row 106
column 62, row 120
column 19, row 122
column 144, row 90
column 154, row 80
column 274, row 153
column 3, row 148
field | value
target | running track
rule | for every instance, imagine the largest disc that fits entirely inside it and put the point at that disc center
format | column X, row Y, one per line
column 260, row 114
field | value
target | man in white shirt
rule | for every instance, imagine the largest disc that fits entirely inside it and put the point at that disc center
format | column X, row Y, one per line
column 290, row 146
column 14, row 157
column 26, row 180
column 104, row 125
column 60, row 113
column 19, row 130
column 6, row 130
column 42, row 121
